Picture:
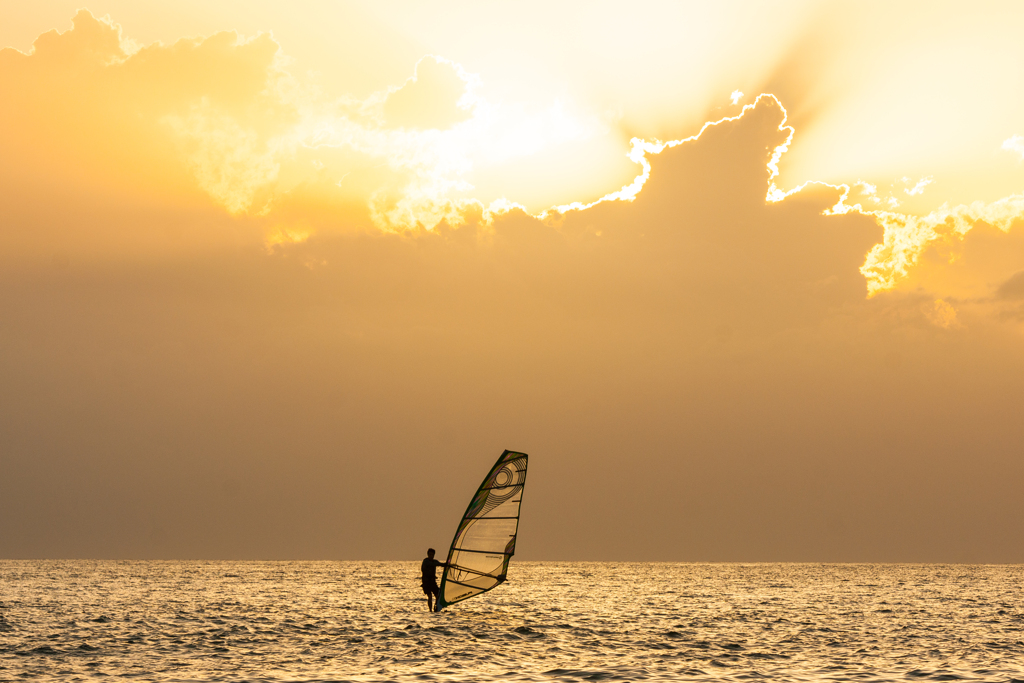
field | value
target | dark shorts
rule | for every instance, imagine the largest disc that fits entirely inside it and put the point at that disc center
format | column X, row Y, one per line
column 430, row 588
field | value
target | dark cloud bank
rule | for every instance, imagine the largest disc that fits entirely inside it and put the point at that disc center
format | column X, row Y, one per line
column 697, row 375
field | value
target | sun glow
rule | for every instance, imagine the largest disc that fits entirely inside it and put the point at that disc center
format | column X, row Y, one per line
column 265, row 142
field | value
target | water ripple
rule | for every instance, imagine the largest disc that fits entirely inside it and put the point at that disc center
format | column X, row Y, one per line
column 366, row 621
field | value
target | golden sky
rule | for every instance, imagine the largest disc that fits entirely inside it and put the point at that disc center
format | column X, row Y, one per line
column 745, row 279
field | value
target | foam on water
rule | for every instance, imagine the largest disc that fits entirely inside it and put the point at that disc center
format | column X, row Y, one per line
column 367, row 621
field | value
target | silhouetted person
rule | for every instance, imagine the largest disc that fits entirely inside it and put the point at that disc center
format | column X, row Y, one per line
column 429, row 568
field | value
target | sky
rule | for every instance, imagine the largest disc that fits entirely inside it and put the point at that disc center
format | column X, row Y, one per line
column 746, row 280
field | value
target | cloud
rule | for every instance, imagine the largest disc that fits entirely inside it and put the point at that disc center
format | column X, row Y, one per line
column 641, row 148
column 230, row 162
column 1012, row 288
column 1014, row 144
column 867, row 188
column 705, row 357
column 219, row 124
column 436, row 96
column 89, row 123
column 905, row 237
column 230, row 296
column 941, row 314
column 92, row 42
column 222, row 116
column 918, row 188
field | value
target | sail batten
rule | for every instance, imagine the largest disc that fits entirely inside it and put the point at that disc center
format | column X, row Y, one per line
column 483, row 552
column 485, row 539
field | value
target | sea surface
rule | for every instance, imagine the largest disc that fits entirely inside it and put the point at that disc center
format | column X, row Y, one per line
column 367, row 621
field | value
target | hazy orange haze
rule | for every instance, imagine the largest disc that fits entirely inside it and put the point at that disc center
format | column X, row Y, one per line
column 245, row 314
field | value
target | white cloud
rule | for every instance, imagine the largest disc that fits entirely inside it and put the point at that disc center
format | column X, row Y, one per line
column 919, row 187
column 1015, row 144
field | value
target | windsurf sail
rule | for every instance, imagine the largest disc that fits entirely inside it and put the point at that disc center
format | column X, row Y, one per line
column 486, row 538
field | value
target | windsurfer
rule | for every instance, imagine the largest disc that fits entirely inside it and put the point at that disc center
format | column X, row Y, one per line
column 429, row 568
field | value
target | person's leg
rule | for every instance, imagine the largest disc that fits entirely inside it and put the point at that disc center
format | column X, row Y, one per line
column 430, row 606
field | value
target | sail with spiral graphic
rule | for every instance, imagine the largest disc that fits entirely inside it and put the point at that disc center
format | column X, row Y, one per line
column 486, row 537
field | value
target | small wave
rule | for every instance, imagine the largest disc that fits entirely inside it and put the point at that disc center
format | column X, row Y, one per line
column 581, row 674
column 528, row 632
column 354, row 622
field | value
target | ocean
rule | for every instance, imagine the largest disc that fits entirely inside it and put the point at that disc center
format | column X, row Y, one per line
column 552, row 621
